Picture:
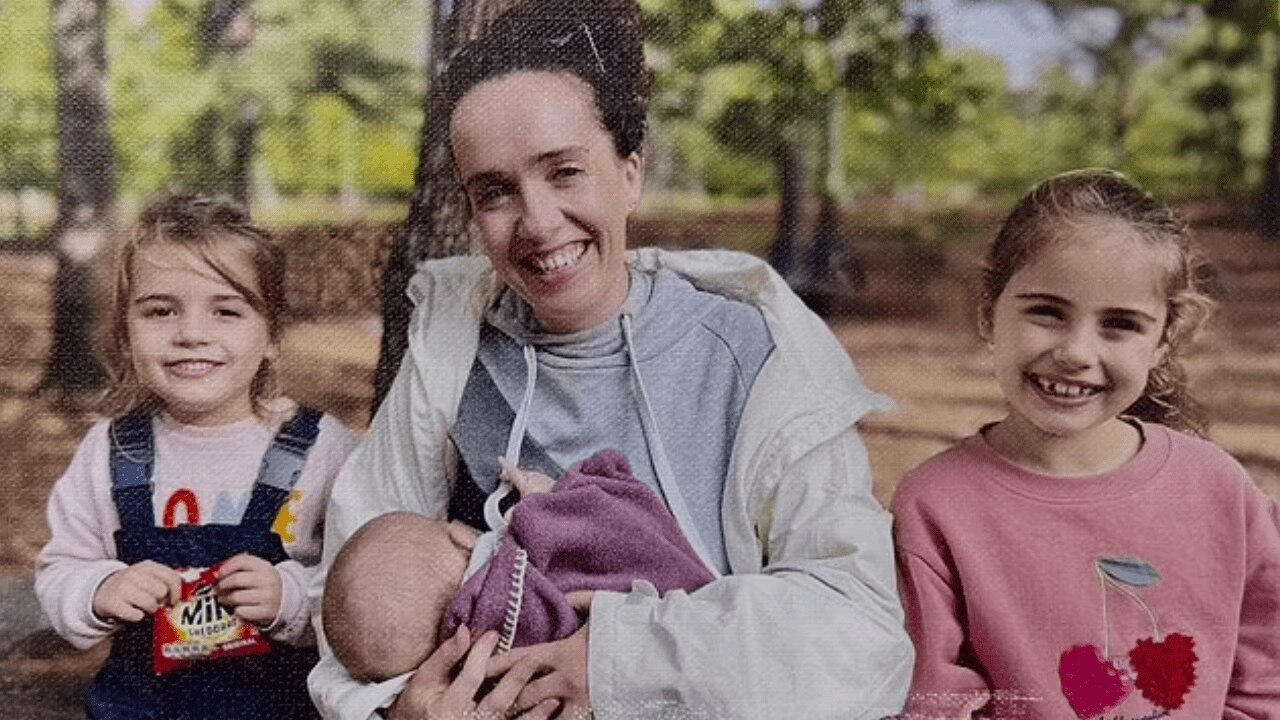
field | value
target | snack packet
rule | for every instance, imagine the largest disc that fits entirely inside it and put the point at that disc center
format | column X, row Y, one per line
column 200, row 628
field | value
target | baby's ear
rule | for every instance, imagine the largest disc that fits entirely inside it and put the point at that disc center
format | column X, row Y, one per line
column 464, row 536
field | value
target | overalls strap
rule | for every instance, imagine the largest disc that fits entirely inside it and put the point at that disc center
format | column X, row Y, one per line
column 132, row 461
column 281, row 467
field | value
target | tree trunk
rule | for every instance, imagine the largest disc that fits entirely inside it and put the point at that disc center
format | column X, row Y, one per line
column 834, row 270
column 437, row 222
column 790, row 163
column 244, row 136
column 86, row 190
column 1269, row 198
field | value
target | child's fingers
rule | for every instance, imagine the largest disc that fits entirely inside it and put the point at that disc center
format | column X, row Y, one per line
column 161, row 580
column 241, row 563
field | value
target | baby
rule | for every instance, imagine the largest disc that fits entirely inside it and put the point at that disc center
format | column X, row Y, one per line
column 405, row 581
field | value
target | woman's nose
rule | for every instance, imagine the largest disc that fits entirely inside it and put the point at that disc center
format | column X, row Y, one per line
column 540, row 215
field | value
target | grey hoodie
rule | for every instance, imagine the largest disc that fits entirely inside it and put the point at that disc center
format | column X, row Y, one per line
column 696, row 355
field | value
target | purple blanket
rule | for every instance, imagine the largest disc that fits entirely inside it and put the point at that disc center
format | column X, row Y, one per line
column 598, row 529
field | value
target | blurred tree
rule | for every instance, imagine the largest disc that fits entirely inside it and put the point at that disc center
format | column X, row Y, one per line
column 303, row 98
column 774, row 83
column 28, row 140
column 437, row 222
column 1116, row 35
column 86, row 189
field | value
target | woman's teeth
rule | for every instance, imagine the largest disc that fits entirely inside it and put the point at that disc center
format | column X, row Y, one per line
column 1065, row 389
column 558, row 259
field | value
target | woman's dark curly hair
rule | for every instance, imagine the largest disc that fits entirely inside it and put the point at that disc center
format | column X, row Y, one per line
column 1047, row 213
column 601, row 42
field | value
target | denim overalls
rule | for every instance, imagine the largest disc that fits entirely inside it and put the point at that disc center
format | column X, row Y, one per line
column 264, row 686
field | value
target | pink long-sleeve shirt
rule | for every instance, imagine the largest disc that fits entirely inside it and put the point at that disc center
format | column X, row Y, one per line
column 202, row 475
column 1025, row 593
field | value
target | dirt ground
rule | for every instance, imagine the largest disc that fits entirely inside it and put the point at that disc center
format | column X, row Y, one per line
column 931, row 363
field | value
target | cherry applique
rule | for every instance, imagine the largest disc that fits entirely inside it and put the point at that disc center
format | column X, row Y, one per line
column 1162, row 670
column 1091, row 683
column 1166, row 670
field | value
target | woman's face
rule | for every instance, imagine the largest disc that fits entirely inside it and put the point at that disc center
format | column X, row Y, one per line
column 548, row 193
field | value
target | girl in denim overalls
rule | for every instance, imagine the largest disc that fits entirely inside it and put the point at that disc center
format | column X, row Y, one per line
column 203, row 465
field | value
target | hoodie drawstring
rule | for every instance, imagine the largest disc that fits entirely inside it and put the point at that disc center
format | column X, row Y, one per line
column 492, row 514
column 658, row 455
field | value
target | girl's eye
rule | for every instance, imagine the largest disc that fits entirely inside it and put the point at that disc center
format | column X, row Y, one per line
column 1122, row 324
column 229, row 312
column 157, row 311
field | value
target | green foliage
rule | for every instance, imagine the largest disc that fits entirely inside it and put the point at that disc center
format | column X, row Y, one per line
column 28, row 141
column 335, row 90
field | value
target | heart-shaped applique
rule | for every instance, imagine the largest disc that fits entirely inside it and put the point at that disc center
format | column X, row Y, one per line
column 1091, row 683
column 1166, row 670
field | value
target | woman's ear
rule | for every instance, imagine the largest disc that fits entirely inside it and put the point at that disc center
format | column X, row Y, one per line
column 985, row 312
column 633, row 179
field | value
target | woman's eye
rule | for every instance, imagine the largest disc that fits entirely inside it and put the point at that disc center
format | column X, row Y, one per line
column 566, row 172
column 229, row 312
column 491, row 196
column 1044, row 312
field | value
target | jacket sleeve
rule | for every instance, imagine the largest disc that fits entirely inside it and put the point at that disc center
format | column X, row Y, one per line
column 816, row 632
column 81, row 550
column 1254, row 692
column 398, row 466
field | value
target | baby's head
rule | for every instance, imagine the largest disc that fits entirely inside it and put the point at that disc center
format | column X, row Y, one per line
column 388, row 590
column 197, row 282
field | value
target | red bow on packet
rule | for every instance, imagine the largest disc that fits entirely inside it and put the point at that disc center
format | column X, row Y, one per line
column 200, row 628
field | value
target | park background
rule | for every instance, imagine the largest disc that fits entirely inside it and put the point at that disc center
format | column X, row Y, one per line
column 866, row 148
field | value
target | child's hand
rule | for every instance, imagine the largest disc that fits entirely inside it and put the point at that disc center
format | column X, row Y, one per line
column 131, row 594
column 528, row 482
column 251, row 587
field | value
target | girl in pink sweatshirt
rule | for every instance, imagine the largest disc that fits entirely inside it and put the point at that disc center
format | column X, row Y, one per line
column 187, row 527
column 1091, row 555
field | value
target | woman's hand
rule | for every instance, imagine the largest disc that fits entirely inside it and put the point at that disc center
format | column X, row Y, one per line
column 251, row 587
column 433, row 695
column 563, row 668
column 131, row 594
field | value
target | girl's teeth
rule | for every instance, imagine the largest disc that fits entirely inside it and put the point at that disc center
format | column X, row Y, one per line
column 1066, row 390
column 562, row 258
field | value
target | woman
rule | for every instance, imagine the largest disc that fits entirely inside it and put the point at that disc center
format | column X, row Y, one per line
column 726, row 394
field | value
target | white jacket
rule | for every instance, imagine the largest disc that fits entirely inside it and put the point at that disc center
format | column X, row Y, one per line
column 809, row 623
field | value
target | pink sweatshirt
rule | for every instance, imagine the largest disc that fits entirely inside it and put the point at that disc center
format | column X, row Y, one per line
column 202, row 475
column 1024, row 593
